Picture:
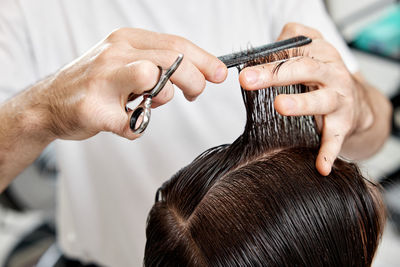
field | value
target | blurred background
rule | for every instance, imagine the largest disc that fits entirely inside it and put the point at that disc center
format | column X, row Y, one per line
column 372, row 30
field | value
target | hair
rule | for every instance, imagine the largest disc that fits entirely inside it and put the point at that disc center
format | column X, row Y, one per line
column 261, row 202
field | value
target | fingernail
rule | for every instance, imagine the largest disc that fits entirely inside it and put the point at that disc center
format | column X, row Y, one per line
column 251, row 76
column 328, row 165
column 289, row 103
column 220, row 73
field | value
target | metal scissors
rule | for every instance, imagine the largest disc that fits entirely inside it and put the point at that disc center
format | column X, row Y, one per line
column 141, row 115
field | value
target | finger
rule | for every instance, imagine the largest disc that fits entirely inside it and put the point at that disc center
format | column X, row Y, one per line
column 318, row 49
column 318, row 102
column 294, row 29
column 297, row 70
column 117, row 121
column 210, row 66
column 331, row 144
column 164, row 96
column 187, row 77
column 135, row 77
column 121, row 126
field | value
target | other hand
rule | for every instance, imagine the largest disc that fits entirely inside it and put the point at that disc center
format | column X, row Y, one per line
column 340, row 101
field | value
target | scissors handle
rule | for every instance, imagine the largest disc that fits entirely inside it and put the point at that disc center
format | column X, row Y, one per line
column 141, row 115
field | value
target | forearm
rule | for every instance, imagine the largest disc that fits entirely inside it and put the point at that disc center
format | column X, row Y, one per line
column 364, row 143
column 24, row 131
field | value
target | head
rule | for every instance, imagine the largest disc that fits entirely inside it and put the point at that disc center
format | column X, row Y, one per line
column 261, row 202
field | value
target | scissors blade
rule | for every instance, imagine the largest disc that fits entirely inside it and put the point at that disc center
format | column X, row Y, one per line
column 174, row 66
column 165, row 77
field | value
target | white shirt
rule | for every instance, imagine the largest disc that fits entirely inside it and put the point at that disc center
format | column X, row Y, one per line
column 107, row 184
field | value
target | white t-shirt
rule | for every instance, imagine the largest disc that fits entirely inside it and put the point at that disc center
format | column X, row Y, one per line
column 107, row 184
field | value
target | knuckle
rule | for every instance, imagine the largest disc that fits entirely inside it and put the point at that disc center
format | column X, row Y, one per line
column 117, row 34
column 316, row 33
column 327, row 49
column 294, row 28
column 331, row 50
column 145, row 69
column 114, row 35
column 291, row 28
column 145, row 73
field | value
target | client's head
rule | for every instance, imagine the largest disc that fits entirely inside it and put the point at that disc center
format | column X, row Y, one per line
column 261, row 202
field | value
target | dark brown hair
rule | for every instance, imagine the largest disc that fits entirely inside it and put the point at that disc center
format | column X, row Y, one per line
column 261, row 202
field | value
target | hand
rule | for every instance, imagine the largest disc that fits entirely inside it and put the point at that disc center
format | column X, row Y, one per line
column 90, row 94
column 339, row 101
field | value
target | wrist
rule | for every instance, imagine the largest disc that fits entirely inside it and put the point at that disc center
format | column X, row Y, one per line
column 34, row 113
column 24, row 133
column 373, row 124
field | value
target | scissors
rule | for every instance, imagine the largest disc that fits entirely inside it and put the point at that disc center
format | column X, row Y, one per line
column 141, row 115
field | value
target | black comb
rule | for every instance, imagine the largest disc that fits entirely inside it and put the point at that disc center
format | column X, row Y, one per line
column 239, row 58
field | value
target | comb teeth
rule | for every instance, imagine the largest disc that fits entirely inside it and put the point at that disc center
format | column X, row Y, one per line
column 240, row 58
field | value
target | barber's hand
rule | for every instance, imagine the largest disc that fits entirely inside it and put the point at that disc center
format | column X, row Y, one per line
column 89, row 95
column 337, row 98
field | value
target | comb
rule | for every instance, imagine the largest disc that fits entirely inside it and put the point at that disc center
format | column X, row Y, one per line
column 239, row 58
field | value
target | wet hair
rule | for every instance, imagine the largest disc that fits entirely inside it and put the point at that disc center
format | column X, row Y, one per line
column 261, row 202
